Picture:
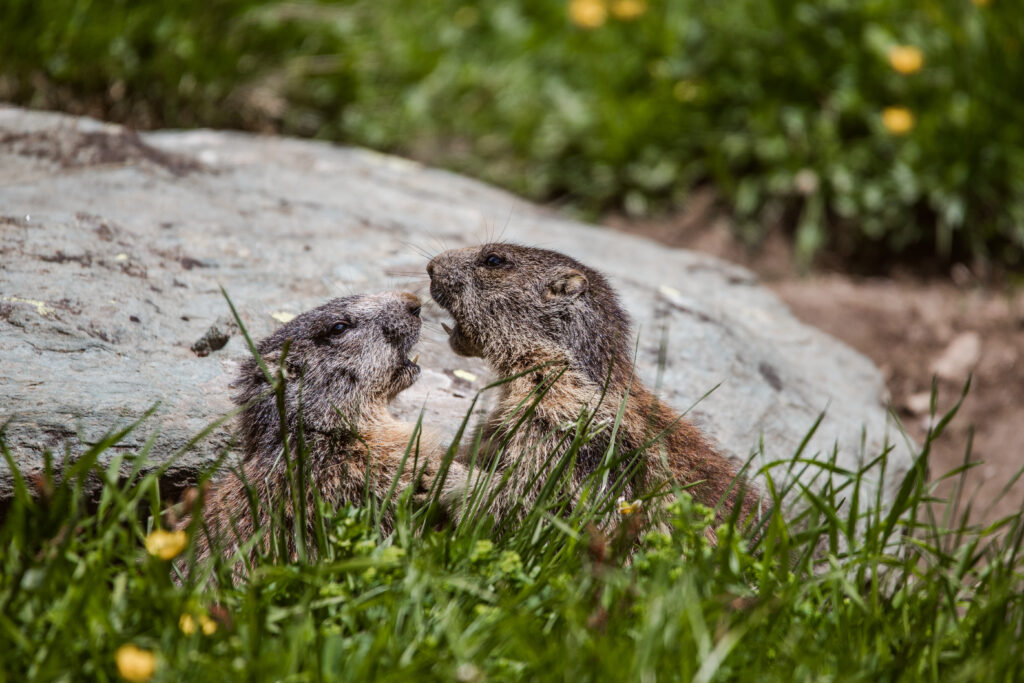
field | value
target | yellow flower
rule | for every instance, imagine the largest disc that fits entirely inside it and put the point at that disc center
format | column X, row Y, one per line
column 627, row 10
column 587, row 13
column 208, row 625
column 906, row 59
column 982, row 3
column 626, row 508
column 166, row 544
column 188, row 625
column 135, row 664
column 898, row 120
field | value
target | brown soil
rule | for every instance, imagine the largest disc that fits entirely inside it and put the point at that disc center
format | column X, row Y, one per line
column 912, row 328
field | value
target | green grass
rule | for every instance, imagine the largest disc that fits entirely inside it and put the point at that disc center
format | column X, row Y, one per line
column 777, row 104
column 828, row 595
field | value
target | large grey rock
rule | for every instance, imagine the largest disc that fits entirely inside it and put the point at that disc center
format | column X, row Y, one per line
column 113, row 249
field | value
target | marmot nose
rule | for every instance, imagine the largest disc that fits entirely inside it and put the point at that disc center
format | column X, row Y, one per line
column 430, row 267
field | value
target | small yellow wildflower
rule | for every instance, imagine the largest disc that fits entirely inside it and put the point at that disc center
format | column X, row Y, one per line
column 208, row 625
column 626, row 508
column 627, row 10
column 134, row 663
column 898, row 120
column 906, row 59
column 166, row 544
column 982, row 3
column 187, row 624
column 588, row 13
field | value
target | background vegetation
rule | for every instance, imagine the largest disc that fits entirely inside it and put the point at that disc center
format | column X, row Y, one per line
column 878, row 129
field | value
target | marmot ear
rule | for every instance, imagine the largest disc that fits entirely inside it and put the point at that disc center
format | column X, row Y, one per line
column 569, row 283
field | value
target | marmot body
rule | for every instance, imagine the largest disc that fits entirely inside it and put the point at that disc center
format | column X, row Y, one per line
column 519, row 308
column 346, row 360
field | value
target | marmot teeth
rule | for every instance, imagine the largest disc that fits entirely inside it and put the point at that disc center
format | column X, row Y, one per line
column 447, row 329
column 415, row 359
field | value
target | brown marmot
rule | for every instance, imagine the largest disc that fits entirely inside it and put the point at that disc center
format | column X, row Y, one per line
column 346, row 360
column 519, row 308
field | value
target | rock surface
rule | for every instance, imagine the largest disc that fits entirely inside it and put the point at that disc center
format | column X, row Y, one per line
column 114, row 247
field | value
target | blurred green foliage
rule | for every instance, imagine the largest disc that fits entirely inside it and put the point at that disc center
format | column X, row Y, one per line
column 597, row 104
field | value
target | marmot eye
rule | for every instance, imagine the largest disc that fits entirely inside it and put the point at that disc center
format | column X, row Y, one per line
column 339, row 328
column 494, row 261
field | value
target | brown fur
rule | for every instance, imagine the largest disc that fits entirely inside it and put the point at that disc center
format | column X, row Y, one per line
column 340, row 381
column 518, row 308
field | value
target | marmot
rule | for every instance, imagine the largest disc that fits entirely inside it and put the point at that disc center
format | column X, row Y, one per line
column 346, row 361
column 519, row 308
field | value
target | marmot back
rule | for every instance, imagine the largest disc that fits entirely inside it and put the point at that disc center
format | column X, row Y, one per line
column 520, row 307
column 345, row 362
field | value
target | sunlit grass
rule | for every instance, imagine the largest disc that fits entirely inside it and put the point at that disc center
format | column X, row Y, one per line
column 566, row 595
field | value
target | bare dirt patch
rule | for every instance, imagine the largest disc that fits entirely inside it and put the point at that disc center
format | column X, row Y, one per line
column 915, row 329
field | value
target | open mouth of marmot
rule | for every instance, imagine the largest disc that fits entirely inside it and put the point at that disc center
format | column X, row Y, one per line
column 407, row 361
column 405, row 374
column 460, row 342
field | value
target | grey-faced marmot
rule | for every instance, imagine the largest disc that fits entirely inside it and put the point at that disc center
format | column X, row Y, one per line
column 519, row 308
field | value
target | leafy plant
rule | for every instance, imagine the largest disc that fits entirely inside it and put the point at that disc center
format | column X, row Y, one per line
column 844, row 589
column 880, row 130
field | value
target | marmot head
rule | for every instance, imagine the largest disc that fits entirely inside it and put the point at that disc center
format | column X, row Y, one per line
column 346, row 356
column 515, row 306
